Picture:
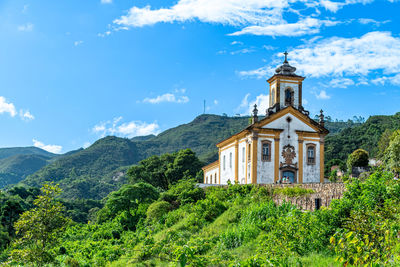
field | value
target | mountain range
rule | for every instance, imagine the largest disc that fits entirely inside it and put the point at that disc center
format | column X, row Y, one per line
column 93, row 172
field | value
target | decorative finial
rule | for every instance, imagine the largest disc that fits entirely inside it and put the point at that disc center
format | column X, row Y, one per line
column 285, row 68
column 286, row 53
column 255, row 114
column 321, row 118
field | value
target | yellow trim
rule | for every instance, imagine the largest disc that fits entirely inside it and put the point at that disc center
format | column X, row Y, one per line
column 300, row 158
column 309, row 134
column 236, row 161
column 282, row 77
column 210, row 166
column 254, row 160
column 276, row 163
column 227, row 147
column 321, row 161
column 234, row 137
column 284, row 112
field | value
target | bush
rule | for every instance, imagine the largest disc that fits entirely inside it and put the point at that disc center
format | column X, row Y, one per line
column 293, row 191
column 157, row 210
column 359, row 158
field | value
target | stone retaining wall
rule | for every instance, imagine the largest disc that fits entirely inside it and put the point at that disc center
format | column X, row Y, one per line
column 325, row 191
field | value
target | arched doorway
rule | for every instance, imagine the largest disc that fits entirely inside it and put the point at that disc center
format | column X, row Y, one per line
column 290, row 175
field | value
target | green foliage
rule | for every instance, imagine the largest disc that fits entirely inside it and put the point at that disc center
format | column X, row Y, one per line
column 293, row 191
column 392, row 153
column 183, row 192
column 157, row 210
column 365, row 136
column 38, row 229
column 127, row 202
column 167, row 169
column 359, row 158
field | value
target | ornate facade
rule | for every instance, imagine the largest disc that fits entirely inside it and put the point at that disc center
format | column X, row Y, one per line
column 286, row 143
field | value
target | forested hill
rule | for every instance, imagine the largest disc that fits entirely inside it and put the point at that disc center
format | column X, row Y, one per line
column 18, row 162
column 365, row 136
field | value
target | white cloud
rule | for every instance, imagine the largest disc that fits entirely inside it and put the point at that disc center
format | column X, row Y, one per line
column 76, row 43
column 246, row 106
column 374, row 53
column 236, row 43
column 341, row 82
column 322, row 95
column 107, row 33
column 302, row 27
column 261, row 17
column 6, row 107
column 28, row 27
column 106, row 1
column 26, row 115
column 372, row 21
column 215, row 102
column 269, row 47
column 168, row 97
column 127, row 129
column 243, row 51
column 50, row 148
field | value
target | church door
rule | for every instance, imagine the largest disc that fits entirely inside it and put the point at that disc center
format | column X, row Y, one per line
column 290, row 175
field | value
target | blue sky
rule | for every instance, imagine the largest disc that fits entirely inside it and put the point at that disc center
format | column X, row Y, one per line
column 74, row 71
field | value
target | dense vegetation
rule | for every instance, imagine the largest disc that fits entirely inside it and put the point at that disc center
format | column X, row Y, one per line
column 236, row 225
column 168, row 220
column 365, row 136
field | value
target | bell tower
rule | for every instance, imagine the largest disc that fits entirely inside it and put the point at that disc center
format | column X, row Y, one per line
column 285, row 88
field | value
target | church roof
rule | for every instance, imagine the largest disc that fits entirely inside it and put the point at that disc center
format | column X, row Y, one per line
column 258, row 125
column 286, row 69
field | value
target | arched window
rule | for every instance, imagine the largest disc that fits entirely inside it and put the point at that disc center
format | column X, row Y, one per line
column 243, row 154
column 230, row 160
column 289, row 96
column 266, row 151
column 310, row 154
column 215, row 178
column 223, row 163
column 207, row 180
column 249, row 153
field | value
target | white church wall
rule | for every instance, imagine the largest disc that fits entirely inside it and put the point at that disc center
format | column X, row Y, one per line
column 229, row 172
column 265, row 169
column 212, row 175
column 311, row 172
column 242, row 161
column 295, row 124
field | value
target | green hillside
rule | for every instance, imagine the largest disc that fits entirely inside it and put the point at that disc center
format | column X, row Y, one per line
column 100, row 169
column 15, row 168
column 13, row 151
column 365, row 136
column 92, row 172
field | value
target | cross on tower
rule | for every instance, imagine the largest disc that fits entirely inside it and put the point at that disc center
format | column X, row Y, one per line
column 286, row 53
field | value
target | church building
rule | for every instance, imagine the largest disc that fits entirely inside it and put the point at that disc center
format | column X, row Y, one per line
column 286, row 145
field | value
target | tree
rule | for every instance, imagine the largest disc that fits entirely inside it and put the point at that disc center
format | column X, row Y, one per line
column 163, row 171
column 127, row 200
column 359, row 158
column 392, row 153
column 38, row 229
column 384, row 142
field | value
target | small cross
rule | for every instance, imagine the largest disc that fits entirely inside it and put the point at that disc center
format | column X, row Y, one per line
column 286, row 53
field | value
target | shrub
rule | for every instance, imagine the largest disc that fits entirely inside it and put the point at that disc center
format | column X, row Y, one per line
column 293, row 191
column 157, row 209
column 359, row 158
